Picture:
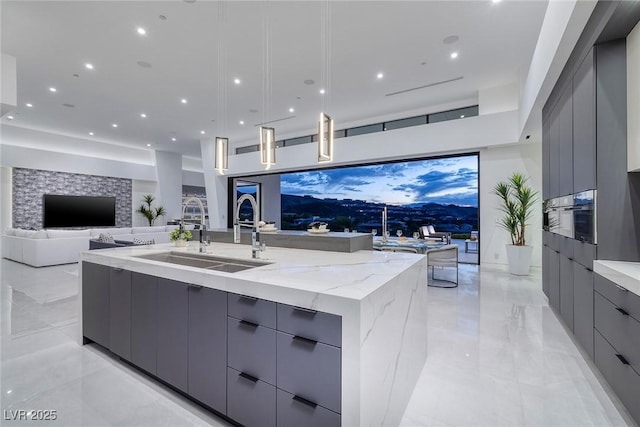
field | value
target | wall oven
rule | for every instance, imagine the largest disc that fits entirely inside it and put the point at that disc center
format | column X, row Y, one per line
column 560, row 216
column 584, row 216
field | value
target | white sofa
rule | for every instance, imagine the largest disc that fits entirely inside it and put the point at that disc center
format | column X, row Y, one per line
column 40, row 248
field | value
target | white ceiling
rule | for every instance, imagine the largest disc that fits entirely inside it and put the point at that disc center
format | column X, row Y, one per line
column 52, row 40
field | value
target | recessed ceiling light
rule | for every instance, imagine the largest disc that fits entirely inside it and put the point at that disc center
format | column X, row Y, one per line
column 454, row 55
column 53, row 89
column 10, row 117
column 91, row 133
column 201, row 132
column 322, row 91
column 173, row 139
column 141, row 31
column 148, row 145
column 236, row 81
column 380, row 75
column 115, row 125
column 496, row 1
column 291, row 110
column 88, row 66
column 183, row 100
column 241, row 122
column 29, row 105
column 462, row 116
column 143, row 115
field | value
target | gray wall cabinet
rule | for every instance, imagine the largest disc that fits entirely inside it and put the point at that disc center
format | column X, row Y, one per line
column 172, row 332
column 120, row 312
column 95, row 293
column 565, row 143
column 554, row 153
column 144, row 320
column 208, row 347
column 584, row 125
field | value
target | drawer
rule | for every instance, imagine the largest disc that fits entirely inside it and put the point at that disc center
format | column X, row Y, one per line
column 310, row 369
column 624, row 381
column 546, row 237
column 566, row 247
column 620, row 330
column 254, row 310
column 250, row 402
column 252, row 349
column 554, row 241
column 584, row 253
column 294, row 411
column 317, row 326
column 621, row 297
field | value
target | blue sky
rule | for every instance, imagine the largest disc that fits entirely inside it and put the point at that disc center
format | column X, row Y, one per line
column 451, row 180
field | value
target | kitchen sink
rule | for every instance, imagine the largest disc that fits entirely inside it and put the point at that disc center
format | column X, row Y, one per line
column 208, row 262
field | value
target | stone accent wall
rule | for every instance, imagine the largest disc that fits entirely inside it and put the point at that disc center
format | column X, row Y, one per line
column 29, row 186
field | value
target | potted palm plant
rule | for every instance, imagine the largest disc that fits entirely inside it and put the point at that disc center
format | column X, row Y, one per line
column 517, row 203
column 149, row 212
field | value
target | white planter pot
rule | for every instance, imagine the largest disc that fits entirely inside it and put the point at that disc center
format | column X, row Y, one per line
column 182, row 243
column 519, row 259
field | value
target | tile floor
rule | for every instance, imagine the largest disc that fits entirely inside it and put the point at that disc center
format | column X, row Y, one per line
column 497, row 357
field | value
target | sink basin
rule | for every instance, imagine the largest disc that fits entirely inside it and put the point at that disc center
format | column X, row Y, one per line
column 208, row 262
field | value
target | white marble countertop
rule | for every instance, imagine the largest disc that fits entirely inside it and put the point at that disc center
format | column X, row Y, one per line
column 301, row 277
column 623, row 273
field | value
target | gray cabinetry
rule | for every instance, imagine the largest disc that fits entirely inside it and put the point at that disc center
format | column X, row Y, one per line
column 584, row 125
column 309, row 369
column 254, row 310
column 323, row 327
column 565, row 143
column 172, row 332
column 583, row 307
column 546, row 258
column 120, row 312
column 294, row 411
column 546, row 151
column 252, row 349
column 208, row 347
column 566, row 290
column 620, row 329
column 143, row 321
column 95, row 303
column 554, row 153
column 554, row 279
column 250, row 402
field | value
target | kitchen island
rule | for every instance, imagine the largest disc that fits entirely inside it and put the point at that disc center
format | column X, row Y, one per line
column 340, row 338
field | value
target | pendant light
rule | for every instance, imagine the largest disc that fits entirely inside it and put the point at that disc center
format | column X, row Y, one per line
column 325, row 124
column 222, row 143
column 267, row 135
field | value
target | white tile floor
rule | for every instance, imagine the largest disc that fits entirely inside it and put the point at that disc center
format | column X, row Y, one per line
column 497, row 357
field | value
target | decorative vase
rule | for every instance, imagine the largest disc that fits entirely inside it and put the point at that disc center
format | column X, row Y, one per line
column 519, row 259
column 182, row 243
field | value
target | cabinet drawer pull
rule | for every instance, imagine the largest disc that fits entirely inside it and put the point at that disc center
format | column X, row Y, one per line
column 622, row 311
column 249, row 324
column 622, row 359
column 247, row 298
column 196, row 287
column 248, row 377
column 304, row 401
column 589, row 269
column 623, row 289
column 305, row 340
column 570, row 259
column 118, row 269
column 305, row 310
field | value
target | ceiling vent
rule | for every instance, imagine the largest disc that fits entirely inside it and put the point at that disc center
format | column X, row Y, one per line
column 274, row 121
column 425, row 86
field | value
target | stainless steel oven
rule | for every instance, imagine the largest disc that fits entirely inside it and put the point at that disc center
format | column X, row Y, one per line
column 584, row 216
column 560, row 216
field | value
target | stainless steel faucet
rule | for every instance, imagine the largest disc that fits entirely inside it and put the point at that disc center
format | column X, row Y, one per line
column 256, row 244
column 203, row 225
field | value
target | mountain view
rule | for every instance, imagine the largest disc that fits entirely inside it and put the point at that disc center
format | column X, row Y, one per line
column 441, row 192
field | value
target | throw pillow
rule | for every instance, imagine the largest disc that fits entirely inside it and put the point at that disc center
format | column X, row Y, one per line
column 139, row 241
column 106, row 238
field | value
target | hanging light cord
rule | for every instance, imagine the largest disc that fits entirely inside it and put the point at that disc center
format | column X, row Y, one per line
column 222, row 67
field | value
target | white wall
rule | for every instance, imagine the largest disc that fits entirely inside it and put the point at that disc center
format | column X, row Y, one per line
column 169, row 178
column 498, row 99
column 497, row 164
column 139, row 189
column 8, row 85
column 5, row 198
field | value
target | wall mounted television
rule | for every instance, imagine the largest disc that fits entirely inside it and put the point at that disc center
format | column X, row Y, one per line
column 78, row 211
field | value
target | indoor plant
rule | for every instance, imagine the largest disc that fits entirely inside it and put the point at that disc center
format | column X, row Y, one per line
column 517, row 203
column 180, row 236
column 150, row 213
